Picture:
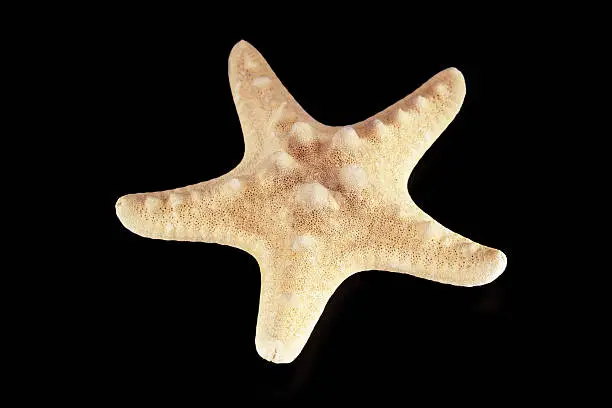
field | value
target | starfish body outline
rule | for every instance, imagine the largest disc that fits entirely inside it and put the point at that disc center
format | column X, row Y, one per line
column 315, row 204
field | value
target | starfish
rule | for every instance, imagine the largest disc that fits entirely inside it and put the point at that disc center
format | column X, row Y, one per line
column 315, row 204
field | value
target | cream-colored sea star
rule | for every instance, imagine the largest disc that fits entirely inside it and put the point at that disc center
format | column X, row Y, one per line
column 315, row 204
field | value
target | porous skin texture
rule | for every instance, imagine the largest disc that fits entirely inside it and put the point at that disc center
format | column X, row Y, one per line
column 315, row 204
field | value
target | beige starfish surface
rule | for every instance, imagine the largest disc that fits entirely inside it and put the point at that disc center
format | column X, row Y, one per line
column 315, row 204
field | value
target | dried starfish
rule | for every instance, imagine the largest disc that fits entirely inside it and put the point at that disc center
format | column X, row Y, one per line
column 315, row 204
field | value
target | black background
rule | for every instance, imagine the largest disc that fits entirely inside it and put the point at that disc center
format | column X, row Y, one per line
column 175, row 321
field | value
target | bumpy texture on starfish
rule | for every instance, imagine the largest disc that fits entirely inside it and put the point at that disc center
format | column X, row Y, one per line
column 315, row 204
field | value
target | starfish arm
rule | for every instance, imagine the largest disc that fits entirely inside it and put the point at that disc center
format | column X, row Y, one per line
column 294, row 292
column 211, row 211
column 265, row 108
column 410, row 126
column 422, row 247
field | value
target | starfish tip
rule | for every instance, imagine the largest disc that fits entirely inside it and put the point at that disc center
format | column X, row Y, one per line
column 121, row 204
column 240, row 44
column 501, row 262
column 497, row 265
column 125, row 207
column 275, row 351
column 456, row 77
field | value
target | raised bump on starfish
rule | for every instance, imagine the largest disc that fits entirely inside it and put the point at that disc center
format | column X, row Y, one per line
column 315, row 203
